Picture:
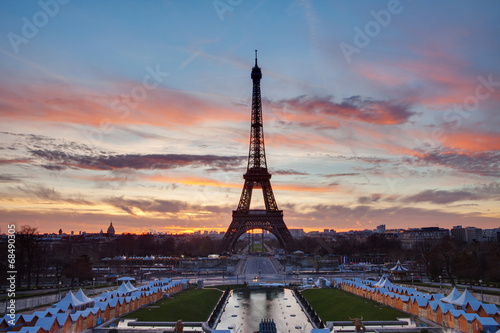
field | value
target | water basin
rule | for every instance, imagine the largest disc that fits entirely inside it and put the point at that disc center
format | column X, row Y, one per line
column 244, row 311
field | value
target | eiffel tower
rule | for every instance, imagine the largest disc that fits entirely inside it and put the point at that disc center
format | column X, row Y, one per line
column 257, row 176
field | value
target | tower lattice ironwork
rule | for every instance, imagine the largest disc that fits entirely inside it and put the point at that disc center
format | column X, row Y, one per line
column 257, row 176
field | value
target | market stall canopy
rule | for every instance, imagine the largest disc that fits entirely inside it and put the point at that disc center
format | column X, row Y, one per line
column 455, row 294
column 125, row 278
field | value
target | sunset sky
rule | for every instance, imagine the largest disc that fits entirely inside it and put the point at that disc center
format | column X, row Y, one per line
column 138, row 112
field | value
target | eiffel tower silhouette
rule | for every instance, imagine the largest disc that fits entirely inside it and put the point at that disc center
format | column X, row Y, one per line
column 257, row 176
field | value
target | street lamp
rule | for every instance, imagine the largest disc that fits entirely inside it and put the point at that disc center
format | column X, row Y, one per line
column 93, row 283
column 412, row 285
column 440, row 287
column 481, row 283
column 59, row 290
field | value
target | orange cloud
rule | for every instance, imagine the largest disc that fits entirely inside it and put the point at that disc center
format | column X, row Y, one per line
column 473, row 142
column 55, row 102
column 189, row 180
column 202, row 181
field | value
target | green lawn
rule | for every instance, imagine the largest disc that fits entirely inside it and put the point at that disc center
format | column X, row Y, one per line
column 189, row 305
column 257, row 247
column 336, row 305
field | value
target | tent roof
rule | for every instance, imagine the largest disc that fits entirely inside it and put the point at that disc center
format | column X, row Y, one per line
column 456, row 313
column 130, row 286
column 469, row 316
column 125, row 278
column 46, row 322
column 433, row 305
column 34, row 329
column 490, row 309
column 28, row 318
column 455, row 294
column 475, row 305
column 68, row 300
column 123, row 289
column 421, row 301
column 486, row 321
column 74, row 316
column 399, row 268
column 379, row 281
column 80, row 295
column 62, row 317
column 445, row 307
column 464, row 299
column 385, row 284
column 437, row 297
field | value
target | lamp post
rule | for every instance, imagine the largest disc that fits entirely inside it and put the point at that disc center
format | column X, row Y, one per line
column 481, row 283
column 440, row 287
column 93, row 286
column 412, row 285
column 59, row 290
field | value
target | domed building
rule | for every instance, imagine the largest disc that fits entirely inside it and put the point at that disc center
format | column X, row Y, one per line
column 111, row 230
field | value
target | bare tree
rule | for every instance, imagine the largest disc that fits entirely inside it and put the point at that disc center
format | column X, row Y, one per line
column 29, row 244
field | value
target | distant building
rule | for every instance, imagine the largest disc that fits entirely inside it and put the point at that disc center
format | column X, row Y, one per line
column 412, row 237
column 111, row 230
column 380, row 229
column 297, row 233
column 393, row 233
column 473, row 234
column 491, row 235
column 458, row 233
column 467, row 235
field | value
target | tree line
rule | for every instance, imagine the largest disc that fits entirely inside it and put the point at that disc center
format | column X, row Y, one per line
column 72, row 258
column 448, row 258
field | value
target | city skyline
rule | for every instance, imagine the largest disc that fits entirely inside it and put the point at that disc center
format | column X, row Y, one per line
column 374, row 113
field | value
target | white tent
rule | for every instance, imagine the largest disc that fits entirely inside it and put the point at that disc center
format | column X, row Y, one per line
column 464, row 299
column 386, row 283
column 123, row 289
column 130, row 286
column 80, row 295
column 67, row 301
column 455, row 294
column 399, row 268
column 383, row 283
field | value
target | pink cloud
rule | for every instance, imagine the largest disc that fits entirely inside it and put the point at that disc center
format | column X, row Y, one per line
column 54, row 102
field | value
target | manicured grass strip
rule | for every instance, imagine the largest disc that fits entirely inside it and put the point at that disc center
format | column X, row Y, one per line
column 189, row 305
column 336, row 305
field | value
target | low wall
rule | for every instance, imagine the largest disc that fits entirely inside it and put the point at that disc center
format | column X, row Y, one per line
column 309, row 310
column 214, row 317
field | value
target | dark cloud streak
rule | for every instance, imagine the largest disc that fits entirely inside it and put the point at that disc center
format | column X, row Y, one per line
column 60, row 159
column 355, row 107
column 159, row 206
column 484, row 192
column 485, row 164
